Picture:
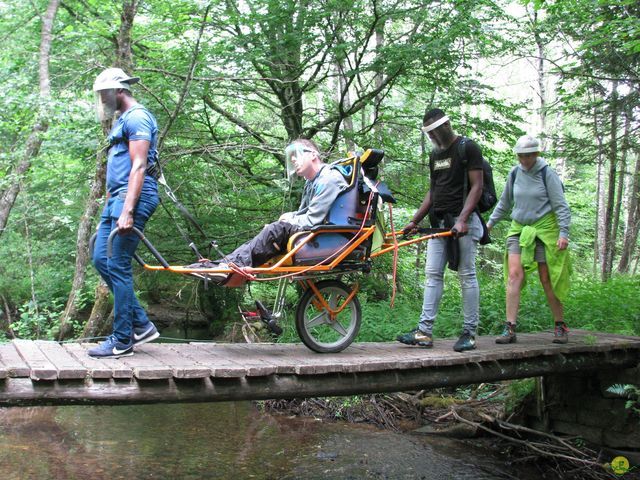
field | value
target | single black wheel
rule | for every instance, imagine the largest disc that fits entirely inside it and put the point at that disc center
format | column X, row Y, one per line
column 315, row 325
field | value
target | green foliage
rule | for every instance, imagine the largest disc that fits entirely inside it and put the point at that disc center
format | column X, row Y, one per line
column 218, row 305
column 37, row 321
column 631, row 392
column 519, row 390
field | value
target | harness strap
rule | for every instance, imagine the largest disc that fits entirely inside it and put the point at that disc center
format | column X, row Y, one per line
column 373, row 187
column 185, row 213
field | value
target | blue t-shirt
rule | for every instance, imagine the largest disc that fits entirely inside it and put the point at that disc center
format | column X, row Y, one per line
column 137, row 123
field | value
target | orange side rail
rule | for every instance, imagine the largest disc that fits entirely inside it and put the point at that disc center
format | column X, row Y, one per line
column 277, row 268
column 387, row 247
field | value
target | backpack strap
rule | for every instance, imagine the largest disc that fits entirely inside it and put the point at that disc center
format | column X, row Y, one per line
column 514, row 172
column 462, row 155
column 512, row 178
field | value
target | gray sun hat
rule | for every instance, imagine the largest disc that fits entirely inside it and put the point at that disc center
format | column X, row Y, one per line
column 114, row 78
column 527, row 144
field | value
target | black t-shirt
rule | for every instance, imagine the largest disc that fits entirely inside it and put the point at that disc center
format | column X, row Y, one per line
column 447, row 176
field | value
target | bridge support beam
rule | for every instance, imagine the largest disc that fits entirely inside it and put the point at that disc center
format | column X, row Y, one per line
column 25, row 392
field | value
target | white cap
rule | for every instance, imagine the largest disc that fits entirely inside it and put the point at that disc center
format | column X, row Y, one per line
column 114, row 78
column 527, row 144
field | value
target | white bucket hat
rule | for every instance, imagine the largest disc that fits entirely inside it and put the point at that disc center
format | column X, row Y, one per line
column 114, row 78
column 527, row 144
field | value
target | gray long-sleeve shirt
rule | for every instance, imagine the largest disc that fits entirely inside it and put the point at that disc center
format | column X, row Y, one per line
column 529, row 200
column 317, row 197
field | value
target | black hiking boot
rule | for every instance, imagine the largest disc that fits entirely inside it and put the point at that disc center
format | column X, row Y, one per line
column 465, row 342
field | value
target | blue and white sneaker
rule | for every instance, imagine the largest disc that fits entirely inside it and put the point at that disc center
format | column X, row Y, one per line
column 111, row 348
column 145, row 334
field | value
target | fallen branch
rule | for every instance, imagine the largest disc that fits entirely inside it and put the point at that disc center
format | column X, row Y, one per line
column 527, row 444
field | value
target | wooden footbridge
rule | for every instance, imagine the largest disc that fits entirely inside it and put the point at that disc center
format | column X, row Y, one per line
column 49, row 373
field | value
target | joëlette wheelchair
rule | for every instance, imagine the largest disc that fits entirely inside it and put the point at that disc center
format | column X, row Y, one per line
column 328, row 314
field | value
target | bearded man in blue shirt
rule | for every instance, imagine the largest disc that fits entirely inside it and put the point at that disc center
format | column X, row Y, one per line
column 132, row 197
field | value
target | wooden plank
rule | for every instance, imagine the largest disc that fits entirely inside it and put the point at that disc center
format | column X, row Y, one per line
column 23, row 391
column 4, row 370
column 41, row 367
column 173, row 355
column 147, row 367
column 374, row 357
column 64, row 362
column 402, row 356
column 276, row 355
column 218, row 366
column 298, row 359
column 295, row 358
column 230, row 361
column 307, row 362
column 99, row 367
column 13, row 362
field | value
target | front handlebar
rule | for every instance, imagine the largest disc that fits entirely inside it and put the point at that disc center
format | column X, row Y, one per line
column 144, row 240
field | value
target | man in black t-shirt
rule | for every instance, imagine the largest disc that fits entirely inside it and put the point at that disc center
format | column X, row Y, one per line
column 450, row 206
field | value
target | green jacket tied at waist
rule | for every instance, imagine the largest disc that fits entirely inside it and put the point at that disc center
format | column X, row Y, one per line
column 559, row 262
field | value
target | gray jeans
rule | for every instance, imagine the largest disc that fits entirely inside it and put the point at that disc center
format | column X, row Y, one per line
column 434, row 269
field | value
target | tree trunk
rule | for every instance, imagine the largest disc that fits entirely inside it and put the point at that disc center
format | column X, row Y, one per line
column 377, row 127
column 85, row 230
column 344, row 103
column 542, row 88
column 611, row 187
column 8, row 198
column 124, row 56
column 100, row 312
column 633, row 220
column 622, row 171
column 99, row 322
column 598, row 251
column 5, row 319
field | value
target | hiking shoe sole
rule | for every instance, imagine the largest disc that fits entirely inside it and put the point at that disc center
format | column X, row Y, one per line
column 506, row 340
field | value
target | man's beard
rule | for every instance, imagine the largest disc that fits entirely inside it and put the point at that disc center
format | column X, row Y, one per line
column 441, row 140
column 437, row 146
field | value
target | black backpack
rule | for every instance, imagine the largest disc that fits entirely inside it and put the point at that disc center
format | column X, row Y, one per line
column 488, row 198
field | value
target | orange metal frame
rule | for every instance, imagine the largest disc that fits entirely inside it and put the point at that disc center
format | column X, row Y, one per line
column 321, row 303
column 279, row 268
column 390, row 246
column 283, row 266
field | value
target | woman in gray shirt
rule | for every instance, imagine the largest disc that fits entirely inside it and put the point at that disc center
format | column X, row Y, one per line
column 539, row 233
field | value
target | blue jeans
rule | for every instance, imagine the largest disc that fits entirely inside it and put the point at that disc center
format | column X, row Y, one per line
column 117, row 271
column 434, row 269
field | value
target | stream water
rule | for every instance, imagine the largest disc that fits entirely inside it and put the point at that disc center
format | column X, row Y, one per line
column 222, row 441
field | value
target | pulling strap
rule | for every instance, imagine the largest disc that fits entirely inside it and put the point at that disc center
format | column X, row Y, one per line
column 155, row 170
